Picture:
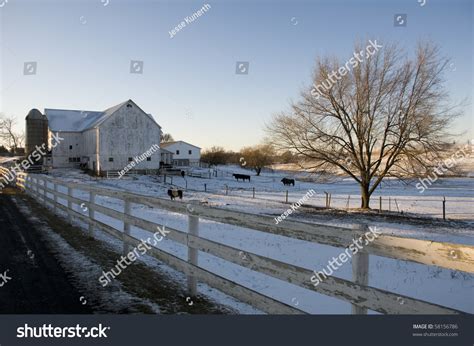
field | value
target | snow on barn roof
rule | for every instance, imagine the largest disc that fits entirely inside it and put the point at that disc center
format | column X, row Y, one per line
column 68, row 120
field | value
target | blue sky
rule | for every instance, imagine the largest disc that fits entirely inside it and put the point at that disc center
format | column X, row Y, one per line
column 83, row 51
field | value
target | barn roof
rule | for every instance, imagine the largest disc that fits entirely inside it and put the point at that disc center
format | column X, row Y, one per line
column 68, row 120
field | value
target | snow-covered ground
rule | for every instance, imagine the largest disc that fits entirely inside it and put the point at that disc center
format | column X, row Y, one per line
column 445, row 287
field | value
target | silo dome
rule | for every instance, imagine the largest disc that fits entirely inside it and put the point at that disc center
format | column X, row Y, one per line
column 35, row 114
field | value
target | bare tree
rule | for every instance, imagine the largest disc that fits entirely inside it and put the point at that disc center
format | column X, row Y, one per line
column 214, row 156
column 8, row 135
column 257, row 157
column 388, row 116
column 167, row 137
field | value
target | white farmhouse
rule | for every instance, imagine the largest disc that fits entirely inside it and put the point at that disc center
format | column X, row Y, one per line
column 105, row 141
column 184, row 154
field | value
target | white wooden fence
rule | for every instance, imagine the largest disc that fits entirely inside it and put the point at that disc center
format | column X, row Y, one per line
column 357, row 292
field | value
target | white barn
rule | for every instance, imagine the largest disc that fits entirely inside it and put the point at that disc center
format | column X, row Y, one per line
column 184, row 154
column 105, row 141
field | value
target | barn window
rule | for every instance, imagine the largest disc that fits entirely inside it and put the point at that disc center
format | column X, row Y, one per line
column 70, row 147
column 177, row 152
column 190, row 152
column 148, row 158
column 70, row 159
column 111, row 159
column 129, row 106
column 130, row 159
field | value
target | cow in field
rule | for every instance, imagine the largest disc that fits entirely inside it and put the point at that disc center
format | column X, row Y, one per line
column 173, row 193
column 287, row 181
column 241, row 176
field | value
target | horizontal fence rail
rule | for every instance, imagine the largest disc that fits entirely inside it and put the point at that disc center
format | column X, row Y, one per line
column 357, row 292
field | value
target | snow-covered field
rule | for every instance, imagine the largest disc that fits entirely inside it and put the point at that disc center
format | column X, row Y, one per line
column 445, row 287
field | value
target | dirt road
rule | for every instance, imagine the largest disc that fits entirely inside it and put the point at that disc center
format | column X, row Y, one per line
column 33, row 281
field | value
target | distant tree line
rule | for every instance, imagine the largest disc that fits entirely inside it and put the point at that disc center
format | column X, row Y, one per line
column 253, row 157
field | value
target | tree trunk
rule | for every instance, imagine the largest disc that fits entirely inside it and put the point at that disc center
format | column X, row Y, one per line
column 365, row 196
column 258, row 170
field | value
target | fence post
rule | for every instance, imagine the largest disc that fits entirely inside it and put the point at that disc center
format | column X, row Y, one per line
column 127, row 209
column 330, row 196
column 360, row 272
column 327, row 198
column 186, row 184
column 205, row 187
column 444, row 208
column 28, row 185
column 286, row 198
column 253, row 192
column 32, row 188
column 45, row 183
column 91, row 211
column 380, row 204
column 193, row 229
column 389, row 204
column 55, row 187
column 226, row 189
column 38, row 194
column 69, row 204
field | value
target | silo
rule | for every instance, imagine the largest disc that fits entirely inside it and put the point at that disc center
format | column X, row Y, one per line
column 36, row 130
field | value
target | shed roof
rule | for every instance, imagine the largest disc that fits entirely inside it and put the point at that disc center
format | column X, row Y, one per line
column 167, row 144
column 163, row 150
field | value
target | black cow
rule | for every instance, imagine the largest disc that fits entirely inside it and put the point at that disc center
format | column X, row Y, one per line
column 173, row 193
column 287, row 181
column 241, row 176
